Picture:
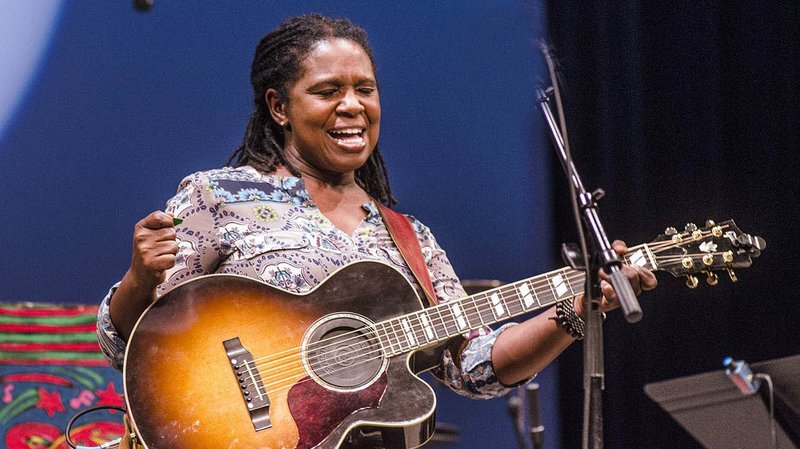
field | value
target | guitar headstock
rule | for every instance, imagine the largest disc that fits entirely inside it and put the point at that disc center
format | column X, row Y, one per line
column 715, row 247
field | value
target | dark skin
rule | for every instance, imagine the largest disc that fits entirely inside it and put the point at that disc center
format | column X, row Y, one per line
column 331, row 123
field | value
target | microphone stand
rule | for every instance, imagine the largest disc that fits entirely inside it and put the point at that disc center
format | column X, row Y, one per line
column 603, row 256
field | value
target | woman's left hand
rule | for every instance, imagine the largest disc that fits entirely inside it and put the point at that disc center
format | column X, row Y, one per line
column 641, row 279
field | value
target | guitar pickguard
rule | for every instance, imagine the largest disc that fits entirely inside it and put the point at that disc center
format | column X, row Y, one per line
column 307, row 398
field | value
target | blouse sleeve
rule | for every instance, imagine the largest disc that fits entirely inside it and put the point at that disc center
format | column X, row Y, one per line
column 198, row 253
column 466, row 366
column 112, row 345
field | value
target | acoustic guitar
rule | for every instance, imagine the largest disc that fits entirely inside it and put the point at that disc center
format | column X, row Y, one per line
column 225, row 362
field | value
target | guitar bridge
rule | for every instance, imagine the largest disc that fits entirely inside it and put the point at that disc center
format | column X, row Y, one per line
column 250, row 384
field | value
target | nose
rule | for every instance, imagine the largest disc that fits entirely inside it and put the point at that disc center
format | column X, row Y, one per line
column 350, row 104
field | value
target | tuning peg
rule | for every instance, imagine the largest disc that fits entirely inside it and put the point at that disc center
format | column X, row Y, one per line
column 710, row 223
column 708, row 259
column 673, row 233
column 753, row 244
column 690, row 227
column 732, row 275
column 687, row 262
column 712, row 278
column 691, row 281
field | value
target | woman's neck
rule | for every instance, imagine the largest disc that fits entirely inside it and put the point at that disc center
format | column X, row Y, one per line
column 344, row 180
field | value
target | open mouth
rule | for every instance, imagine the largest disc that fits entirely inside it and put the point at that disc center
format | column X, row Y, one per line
column 349, row 138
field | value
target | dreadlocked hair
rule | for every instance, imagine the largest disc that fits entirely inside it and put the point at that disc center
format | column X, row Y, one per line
column 277, row 64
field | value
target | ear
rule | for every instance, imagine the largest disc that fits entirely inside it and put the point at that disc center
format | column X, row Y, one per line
column 277, row 108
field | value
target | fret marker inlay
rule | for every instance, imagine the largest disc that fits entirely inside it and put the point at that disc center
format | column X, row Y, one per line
column 559, row 285
column 638, row 258
column 499, row 310
column 426, row 325
column 456, row 309
column 409, row 334
column 525, row 292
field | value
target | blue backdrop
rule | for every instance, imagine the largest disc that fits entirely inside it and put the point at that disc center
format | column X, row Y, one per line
column 113, row 107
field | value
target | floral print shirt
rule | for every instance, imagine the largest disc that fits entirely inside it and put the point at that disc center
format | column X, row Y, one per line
column 267, row 227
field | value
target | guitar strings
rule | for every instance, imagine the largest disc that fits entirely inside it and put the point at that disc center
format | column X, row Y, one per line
column 470, row 314
column 476, row 310
column 654, row 246
column 363, row 356
column 435, row 308
column 273, row 383
column 473, row 315
column 532, row 282
column 280, row 384
column 445, row 321
column 316, row 358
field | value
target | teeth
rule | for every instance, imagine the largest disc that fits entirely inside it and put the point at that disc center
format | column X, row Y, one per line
column 348, row 131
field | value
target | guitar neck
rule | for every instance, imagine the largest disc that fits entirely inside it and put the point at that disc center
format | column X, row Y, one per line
column 432, row 325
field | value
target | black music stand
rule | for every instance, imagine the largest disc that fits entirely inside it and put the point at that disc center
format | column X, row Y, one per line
column 713, row 410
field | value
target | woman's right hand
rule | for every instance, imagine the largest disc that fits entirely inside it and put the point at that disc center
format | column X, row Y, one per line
column 154, row 248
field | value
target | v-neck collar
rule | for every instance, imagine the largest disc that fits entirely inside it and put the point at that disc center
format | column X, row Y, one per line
column 295, row 188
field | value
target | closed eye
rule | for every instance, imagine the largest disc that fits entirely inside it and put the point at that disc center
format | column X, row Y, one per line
column 326, row 93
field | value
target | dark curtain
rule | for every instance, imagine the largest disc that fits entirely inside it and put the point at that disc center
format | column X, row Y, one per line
column 682, row 112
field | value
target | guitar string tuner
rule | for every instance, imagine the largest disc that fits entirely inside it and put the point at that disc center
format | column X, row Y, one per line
column 732, row 275
column 670, row 231
column 691, row 281
column 710, row 223
column 712, row 278
column 708, row 259
column 690, row 227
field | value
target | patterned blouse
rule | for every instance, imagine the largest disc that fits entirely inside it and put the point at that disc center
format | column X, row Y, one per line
column 267, row 227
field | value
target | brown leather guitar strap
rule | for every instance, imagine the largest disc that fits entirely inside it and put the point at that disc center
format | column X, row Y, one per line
column 404, row 237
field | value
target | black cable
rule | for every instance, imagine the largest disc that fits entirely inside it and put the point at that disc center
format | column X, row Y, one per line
column 771, row 392
column 83, row 412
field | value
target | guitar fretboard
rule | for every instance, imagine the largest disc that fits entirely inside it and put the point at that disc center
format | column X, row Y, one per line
column 435, row 324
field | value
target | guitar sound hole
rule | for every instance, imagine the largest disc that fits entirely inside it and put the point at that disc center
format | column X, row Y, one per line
column 342, row 353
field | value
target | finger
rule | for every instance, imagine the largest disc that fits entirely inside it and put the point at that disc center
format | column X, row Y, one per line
column 145, row 239
column 647, row 279
column 620, row 247
column 155, row 249
column 160, row 256
column 608, row 292
column 160, row 235
column 164, row 248
column 161, row 263
column 634, row 274
column 156, row 220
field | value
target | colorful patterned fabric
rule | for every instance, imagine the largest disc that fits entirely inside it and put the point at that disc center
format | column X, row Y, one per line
column 50, row 369
column 239, row 221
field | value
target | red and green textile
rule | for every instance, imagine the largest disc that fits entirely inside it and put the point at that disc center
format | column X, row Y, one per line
column 51, row 368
